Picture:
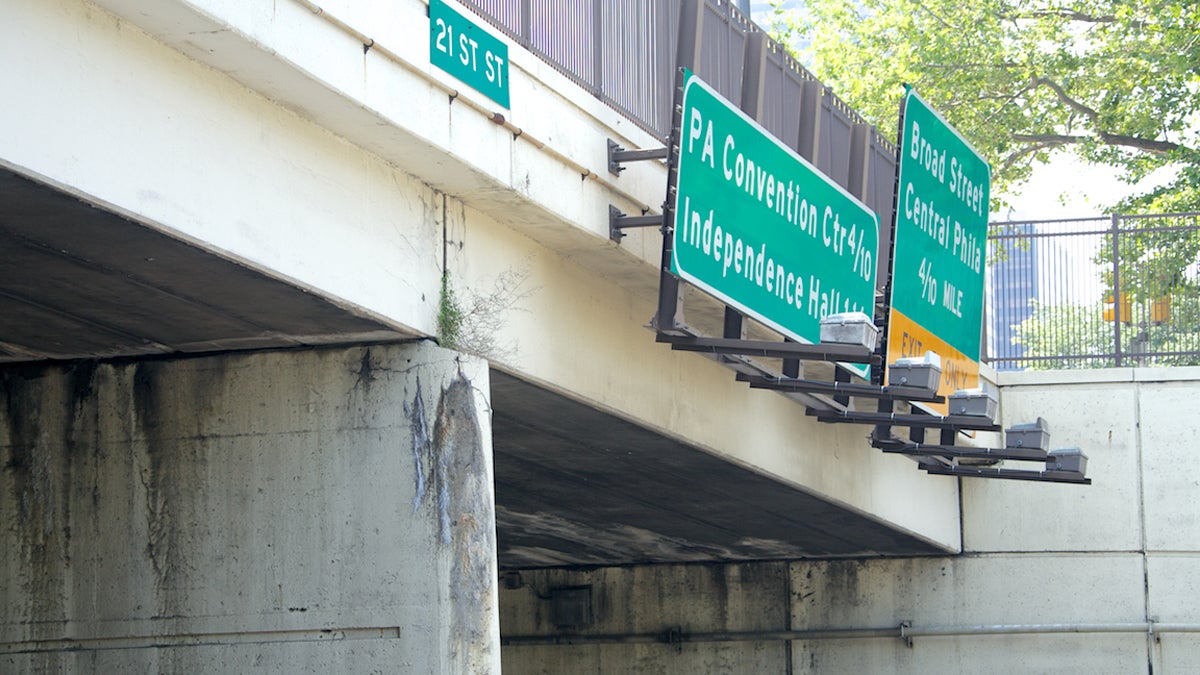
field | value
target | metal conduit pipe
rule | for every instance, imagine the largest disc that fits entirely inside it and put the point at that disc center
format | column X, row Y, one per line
column 903, row 632
column 495, row 116
column 1149, row 627
column 675, row 636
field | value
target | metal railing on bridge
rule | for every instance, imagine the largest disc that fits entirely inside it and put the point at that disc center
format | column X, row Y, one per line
column 1100, row 292
column 623, row 52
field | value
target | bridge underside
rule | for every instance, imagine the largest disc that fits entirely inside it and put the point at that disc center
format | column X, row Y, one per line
column 80, row 281
column 574, row 485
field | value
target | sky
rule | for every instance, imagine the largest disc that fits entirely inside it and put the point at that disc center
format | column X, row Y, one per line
column 1067, row 187
column 761, row 8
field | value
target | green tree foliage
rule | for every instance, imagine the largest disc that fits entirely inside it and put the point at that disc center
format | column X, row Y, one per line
column 1079, row 336
column 1075, row 335
column 1118, row 82
column 1159, row 257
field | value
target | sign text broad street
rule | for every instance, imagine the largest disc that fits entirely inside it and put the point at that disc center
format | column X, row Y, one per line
column 940, row 243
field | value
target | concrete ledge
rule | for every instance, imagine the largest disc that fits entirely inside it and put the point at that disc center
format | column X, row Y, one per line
column 1027, row 378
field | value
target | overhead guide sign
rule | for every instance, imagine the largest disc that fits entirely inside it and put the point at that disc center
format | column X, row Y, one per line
column 940, row 243
column 758, row 227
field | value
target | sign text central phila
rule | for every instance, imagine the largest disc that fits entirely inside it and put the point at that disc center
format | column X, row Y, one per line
column 760, row 228
column 941, row 239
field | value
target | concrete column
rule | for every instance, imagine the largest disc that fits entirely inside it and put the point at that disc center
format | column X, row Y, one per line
column 317, row 511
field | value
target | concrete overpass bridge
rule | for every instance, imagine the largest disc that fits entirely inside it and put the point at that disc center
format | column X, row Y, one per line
column 215, row 177
column 224, row 230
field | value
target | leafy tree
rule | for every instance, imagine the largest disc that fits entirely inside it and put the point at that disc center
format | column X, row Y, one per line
column 1117, row 82
column 1159, row 257
column 1080, row 335
column 1076, row 335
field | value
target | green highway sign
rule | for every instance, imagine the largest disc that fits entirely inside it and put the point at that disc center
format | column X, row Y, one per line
column 761, row 229
column 940, row 244
column 468, row 52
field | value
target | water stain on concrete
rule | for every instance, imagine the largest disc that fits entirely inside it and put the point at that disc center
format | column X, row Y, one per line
column 35, row 459
column 422, row 443
column 172, row 460
column 149, row 385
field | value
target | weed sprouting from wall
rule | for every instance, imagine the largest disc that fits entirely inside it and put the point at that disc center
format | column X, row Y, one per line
column 474, row 322
column 450, row 315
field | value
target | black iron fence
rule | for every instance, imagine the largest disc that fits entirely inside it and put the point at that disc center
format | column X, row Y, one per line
column 1094, row 292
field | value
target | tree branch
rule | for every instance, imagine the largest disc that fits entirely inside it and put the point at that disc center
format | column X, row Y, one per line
column 1150, row 145
column 1023, row 152
column 1006, row 65
column 1056, row 139
column 935, row 15
column 1144, row 144
column 1062, row 95
column 1066, row 13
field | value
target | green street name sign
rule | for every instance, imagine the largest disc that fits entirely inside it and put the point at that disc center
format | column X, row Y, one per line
column 468, row 52
column 760, row 228
column 940, row 244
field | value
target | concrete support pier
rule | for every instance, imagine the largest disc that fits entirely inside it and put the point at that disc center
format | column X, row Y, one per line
column 300, row 511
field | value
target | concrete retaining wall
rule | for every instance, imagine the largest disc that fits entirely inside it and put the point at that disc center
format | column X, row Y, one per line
column 1053, row 578
column 320, row 511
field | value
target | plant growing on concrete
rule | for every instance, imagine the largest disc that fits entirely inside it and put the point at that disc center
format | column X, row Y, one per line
column 450, row 315
column 474, row 322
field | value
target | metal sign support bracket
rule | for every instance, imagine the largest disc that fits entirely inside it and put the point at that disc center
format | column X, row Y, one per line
column 618, row 222
column 618, row 155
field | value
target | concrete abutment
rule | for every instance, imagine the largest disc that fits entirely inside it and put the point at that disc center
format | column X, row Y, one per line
column 325, row 510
